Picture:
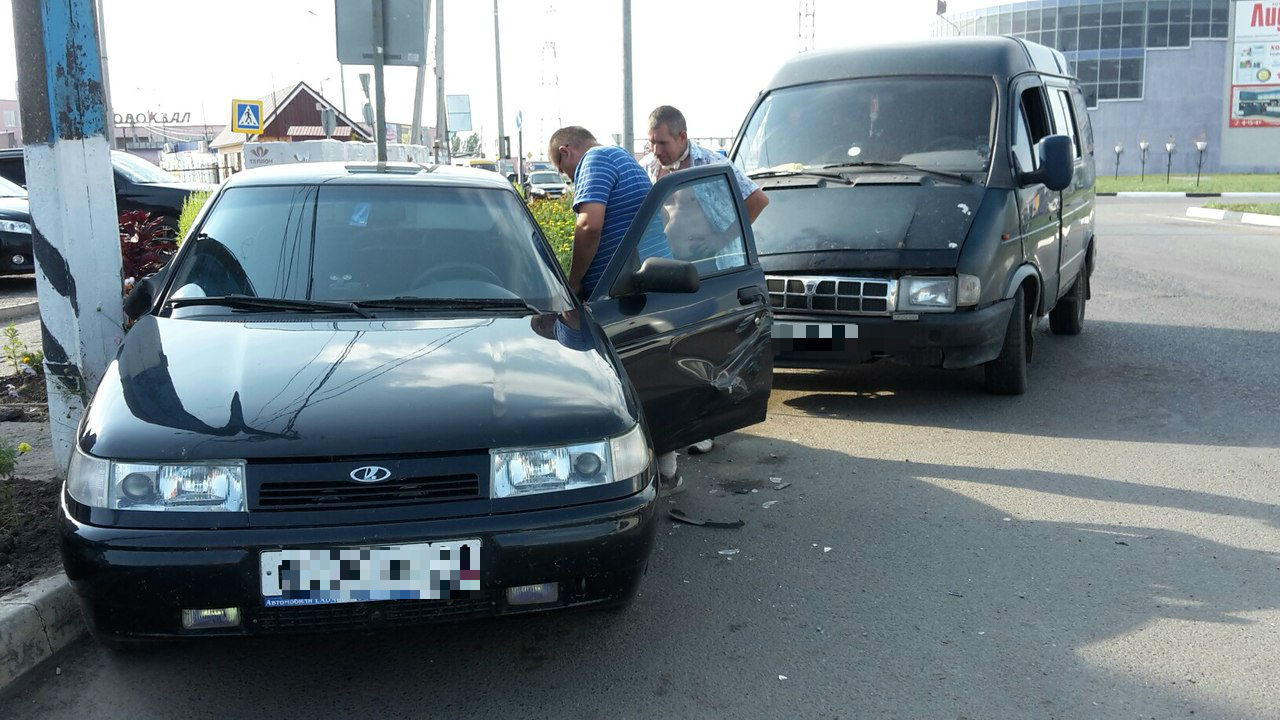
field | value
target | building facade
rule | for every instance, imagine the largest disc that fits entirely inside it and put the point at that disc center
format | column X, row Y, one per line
column 1164, row 72
column 10, row 125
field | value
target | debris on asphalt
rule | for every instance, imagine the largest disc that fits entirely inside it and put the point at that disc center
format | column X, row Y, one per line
column 782, row 677
column 680, row 516
column 740, row 487
column 1008, row 519
column 1121, row 542
column 729, row 552
column 782, row 486
column 953, row 593
column 768, row 504
column 826, row 549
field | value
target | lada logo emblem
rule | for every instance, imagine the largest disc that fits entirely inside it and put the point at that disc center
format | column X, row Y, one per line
column 810, row 286
column 370, row 474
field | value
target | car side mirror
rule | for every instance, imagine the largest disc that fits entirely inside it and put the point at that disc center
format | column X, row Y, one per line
column 1056, row 154
column 664, row 275
column 139, row 300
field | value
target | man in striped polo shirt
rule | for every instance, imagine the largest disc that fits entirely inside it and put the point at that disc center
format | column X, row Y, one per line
column 608, row 188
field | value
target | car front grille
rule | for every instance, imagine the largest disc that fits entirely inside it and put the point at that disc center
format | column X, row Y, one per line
column 829, row 294
column 308, row 618
column 326, row 494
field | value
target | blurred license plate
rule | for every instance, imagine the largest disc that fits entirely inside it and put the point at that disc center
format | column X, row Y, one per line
column 814, row 331
column 422, row 571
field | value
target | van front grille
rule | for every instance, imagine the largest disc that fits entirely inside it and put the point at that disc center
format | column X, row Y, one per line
column 829, row 294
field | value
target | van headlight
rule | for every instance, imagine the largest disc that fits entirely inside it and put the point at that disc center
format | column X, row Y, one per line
column 213, row 486
column 927, row 294
column 568, row 467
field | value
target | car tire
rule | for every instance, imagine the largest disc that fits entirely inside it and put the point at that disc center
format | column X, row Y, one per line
column 1007, row 374
column 1067, row 317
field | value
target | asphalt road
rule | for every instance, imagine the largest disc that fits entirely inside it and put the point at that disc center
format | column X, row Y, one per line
column 1106, row 546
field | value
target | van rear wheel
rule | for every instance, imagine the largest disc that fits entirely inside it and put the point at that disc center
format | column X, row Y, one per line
column 1007, row 374
column 1067, row 317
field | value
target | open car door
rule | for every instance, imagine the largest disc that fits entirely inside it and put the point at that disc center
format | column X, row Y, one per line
column 684, row 303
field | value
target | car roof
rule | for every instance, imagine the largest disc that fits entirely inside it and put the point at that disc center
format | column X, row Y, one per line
column 391, row 173
column 990, row 56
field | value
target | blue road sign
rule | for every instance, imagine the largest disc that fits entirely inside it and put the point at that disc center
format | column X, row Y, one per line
column 246, row 116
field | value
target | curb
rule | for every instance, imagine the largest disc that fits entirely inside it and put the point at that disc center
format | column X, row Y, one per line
column 1236, row 217
column 1136, row 194
column 13, row 312
column 36, row 620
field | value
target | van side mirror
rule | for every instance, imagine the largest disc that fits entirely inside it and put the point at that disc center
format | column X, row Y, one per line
column 139, row 300
column 1056, row 154
column 664, row 275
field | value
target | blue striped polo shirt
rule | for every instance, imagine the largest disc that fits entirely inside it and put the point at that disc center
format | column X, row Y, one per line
column 612, row 177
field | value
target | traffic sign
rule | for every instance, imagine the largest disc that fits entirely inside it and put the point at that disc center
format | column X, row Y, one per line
column 519, row 119
column 246, row 116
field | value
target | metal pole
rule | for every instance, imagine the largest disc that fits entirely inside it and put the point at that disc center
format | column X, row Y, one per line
column 442, row 112
column 75, row 231
column 628, row 130
column 342, row 78
column 106, row 84
column 1168, row 168
column 380, row 96
column 497, row 64
column 421, row 81
column 520, row 155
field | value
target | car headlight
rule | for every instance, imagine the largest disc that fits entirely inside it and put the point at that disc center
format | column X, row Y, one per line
column 538, row 191
column 15, row 226
column 214, row 486
column 568, row 467
column 927, row 293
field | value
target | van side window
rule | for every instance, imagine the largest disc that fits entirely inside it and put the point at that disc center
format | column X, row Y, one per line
column 1037, row 120
column 1082, row 120
column 1062, row 118
column 1022, row 143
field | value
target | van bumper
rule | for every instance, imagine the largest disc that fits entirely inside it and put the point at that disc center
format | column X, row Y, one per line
column 960, row 339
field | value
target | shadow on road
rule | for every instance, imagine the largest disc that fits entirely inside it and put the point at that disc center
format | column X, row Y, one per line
column 872, row 588
column 1117, row 381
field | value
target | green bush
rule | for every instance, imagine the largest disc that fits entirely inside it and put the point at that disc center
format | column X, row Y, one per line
column 190, row 208
column 556, row 219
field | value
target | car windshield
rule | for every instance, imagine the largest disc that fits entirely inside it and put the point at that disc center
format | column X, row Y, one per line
column 545, row 178
column 485, row 166
column 363, row 243
column 138, row 170
column 8, row 189
column 942, row 123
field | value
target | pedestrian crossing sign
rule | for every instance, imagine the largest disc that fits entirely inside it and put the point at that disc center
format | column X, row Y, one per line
column 246, row 116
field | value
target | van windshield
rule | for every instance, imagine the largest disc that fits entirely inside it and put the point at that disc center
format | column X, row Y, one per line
column 942, row 123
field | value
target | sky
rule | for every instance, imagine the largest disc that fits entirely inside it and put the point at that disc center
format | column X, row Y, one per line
column 707, row 57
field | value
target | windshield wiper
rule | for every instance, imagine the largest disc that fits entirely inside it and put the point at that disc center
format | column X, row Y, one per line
column 252, row 302
column 798, row 173
column 422, row 303
column 901, row 165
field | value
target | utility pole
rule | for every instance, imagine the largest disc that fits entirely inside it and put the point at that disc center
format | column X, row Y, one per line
column 380, row 95
column 421, row 81
column 442, row 112
column 106, row 84
column 628, row 130
column 75, row 234
column 497, row 64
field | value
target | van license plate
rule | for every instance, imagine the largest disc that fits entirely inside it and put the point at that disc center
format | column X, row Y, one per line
column 421, row 571
column 814, row 331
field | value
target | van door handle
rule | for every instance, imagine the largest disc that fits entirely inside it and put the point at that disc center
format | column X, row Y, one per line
column 750, row 294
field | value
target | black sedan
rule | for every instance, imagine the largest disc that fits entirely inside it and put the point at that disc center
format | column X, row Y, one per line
column 364, row 394
column 15, row 230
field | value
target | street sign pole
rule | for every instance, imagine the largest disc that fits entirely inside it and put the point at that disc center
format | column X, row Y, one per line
column 628, row 113
column 442, row 112
column 75, row 231
column 380, row 96
column 497, row 64
column 420, row 82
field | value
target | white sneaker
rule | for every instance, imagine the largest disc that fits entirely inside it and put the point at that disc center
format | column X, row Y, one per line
column 702, row 447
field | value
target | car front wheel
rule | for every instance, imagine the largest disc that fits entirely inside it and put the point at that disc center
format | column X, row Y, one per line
column 1007, row 374
column 1067, row 317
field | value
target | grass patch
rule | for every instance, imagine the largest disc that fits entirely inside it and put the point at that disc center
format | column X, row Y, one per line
column 1260, row 208
column 1187, row 183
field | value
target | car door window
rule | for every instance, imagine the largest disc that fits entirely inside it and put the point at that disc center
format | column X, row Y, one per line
column 1037, row 117
column 1022, row 151
column 700, row 223
column 1081, row 114
column 1062, row 118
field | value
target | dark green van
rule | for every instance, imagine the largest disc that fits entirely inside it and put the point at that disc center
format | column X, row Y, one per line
column 928, row 202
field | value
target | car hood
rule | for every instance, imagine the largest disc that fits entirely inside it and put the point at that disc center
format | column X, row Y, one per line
column 185, row 188
column 816, row 226
column 15, row 208
column 207, row 389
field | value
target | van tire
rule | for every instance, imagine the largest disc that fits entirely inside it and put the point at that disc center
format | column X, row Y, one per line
column 1007, row 374
column 1067, row 317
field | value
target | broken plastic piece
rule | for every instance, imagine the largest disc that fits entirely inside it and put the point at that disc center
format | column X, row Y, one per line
column 679, row 516
column 768, row 504
column 729, row 552
column 783, row 486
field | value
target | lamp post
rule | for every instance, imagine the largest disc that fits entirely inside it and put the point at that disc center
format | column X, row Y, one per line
column 1201, row 146
column 1169, row 147
column 1119, row 149
column 1144, row 146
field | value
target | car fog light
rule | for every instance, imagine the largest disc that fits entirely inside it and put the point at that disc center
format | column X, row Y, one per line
column 210, row 618
column 533, row 594
column 18, row 259
column 137, row 486
column 588, row 464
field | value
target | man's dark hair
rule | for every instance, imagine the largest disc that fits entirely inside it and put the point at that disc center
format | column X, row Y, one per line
column 572, row 136
column 669, row 116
